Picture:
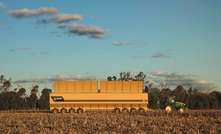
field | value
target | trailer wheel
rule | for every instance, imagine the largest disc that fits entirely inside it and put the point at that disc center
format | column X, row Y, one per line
column 125, row 110
column 141, row 110
column 63, row 110
column 71, row 111
column 168, row 109
column 55, row 110
column 80, row 110
column 117, row 110
column 133, row 110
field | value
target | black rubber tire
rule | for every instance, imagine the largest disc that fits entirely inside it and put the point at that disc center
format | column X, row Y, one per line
column 63, row 110
column 55, row 110
column 117, row 110
column 141, row 110
column 80, row 110
column 133, row 110
column 125, row 110
column 71, row 111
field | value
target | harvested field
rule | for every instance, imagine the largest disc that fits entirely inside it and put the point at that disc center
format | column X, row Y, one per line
column 108, row 122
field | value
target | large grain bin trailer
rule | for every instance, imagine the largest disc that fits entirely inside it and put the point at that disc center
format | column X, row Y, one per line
column 81, row 96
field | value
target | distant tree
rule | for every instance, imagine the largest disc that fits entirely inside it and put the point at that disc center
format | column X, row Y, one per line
column 164, row 93
column 1, row 78
column 213, row 102
column 109, row 78
column 180, row 93
column 140, row 76
column 195, row 91
column 147, row 86
column 32, row 100
column 217, row 95
column 44, row 99
column 22, row 101
column 21, row 92
column 114, row 78
column 33, row 97
column 125, row 76
column 200, row 101
column 153, row 98
column 190, row 90
column 34, row 90
column 5, row 84
column 9, row 101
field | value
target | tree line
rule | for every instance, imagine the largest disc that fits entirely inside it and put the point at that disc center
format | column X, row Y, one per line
column 193, row 98
column 17, row 99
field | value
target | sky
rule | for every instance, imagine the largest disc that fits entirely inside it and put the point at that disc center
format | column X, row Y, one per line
column 173, row 42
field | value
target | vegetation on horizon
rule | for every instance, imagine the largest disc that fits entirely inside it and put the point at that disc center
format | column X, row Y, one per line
column 193, row 98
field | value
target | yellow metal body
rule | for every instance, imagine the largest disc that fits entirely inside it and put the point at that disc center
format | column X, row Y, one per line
column 86, row 95
column 76, row 86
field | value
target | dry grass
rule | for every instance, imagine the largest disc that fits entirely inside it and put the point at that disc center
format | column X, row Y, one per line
column 108, row 122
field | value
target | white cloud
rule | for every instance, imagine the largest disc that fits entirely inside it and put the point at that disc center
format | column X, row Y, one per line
column 19, row 49
column 36, row 80
column 61, row 26
column 121, row 43
column 160, row 55
column 2, row 5
column 44, row 53
column 60, row 18
column 60, row 77
column 75, row 77
column 23, row 13
column 93, row 32
column 77, row 29
column 140, row 57
column 175, row 79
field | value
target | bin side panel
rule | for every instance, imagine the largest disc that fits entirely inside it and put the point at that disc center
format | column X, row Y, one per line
column 103, row 86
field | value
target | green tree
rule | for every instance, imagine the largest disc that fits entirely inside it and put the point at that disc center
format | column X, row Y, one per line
column 33, row 97
column 213, row 102
column 125, row 76
column 5, row 84
column 32, row 100
column 9, row 101
column 217, row 95
column 140, row 76
column 180, row 93
column 44, row 99
column 164, row 93
column 153, row 97
column 22, row 101
column 109, row 78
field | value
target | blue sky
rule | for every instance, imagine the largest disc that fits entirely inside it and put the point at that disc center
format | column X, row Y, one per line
column 174, row 42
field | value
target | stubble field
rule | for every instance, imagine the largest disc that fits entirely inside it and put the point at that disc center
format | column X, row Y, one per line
column 109, row 122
